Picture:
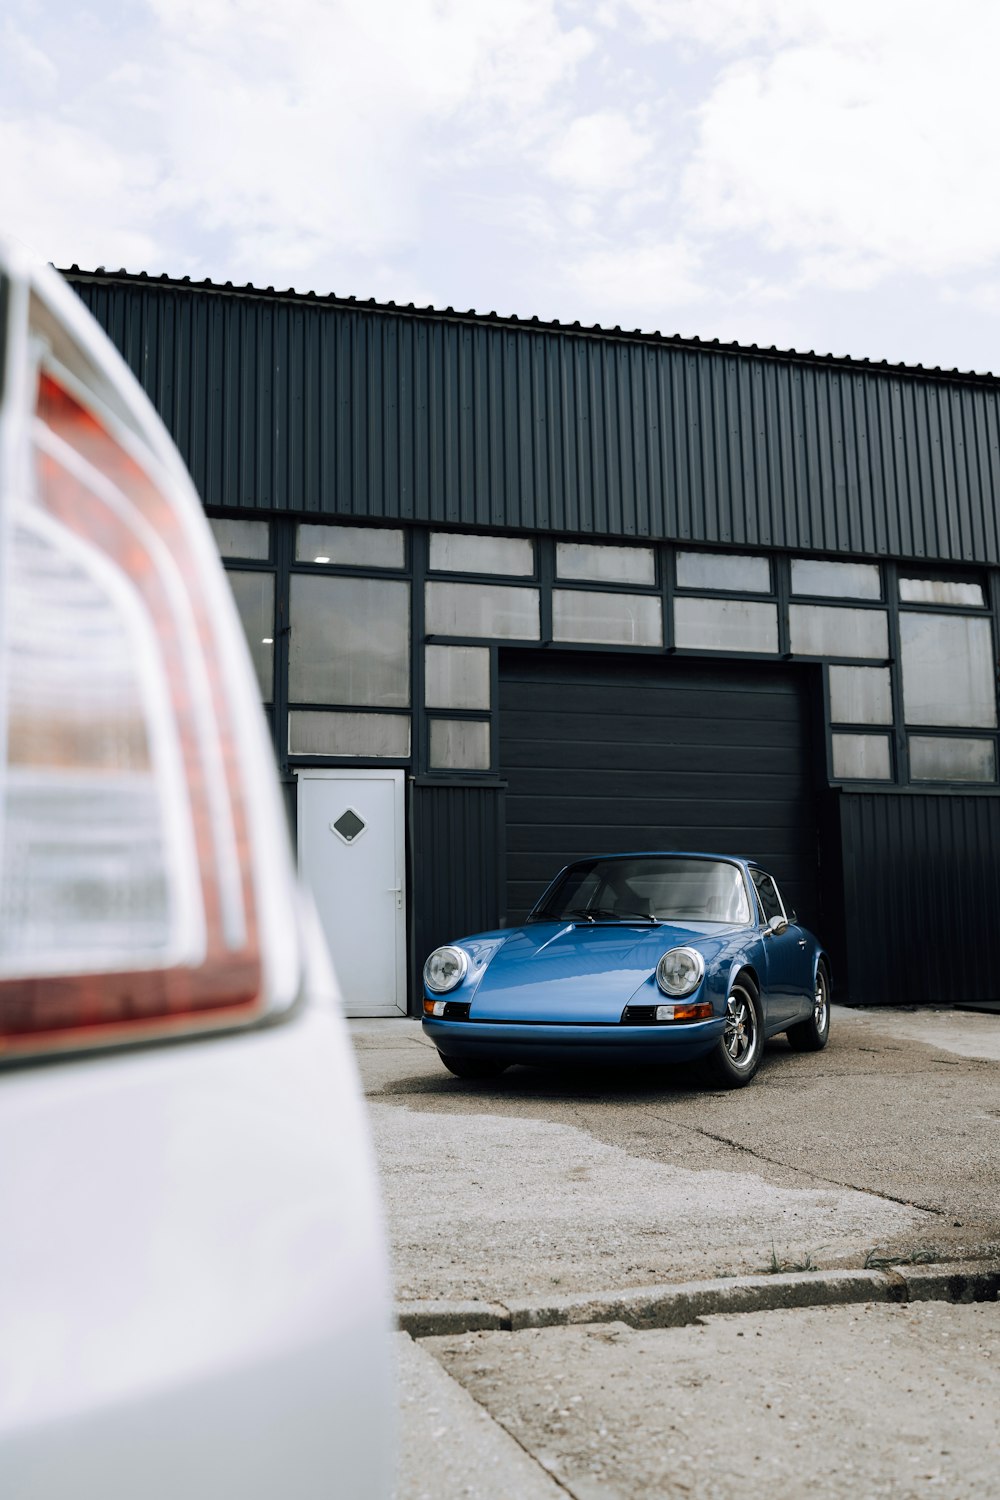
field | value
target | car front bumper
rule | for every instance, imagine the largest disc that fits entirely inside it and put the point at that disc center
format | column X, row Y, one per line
column 613, row 1045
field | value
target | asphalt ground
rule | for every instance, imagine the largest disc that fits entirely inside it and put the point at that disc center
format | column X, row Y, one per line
column 632, row 1202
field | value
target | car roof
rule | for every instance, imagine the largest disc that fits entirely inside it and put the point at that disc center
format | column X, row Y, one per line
column 732, row 859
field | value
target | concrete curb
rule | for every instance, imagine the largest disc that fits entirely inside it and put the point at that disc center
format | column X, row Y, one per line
column 675, row 1306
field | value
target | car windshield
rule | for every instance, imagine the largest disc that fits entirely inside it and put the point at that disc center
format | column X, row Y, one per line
column 662, row 887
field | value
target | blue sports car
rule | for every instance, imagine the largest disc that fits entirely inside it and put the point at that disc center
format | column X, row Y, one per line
column 634, row 958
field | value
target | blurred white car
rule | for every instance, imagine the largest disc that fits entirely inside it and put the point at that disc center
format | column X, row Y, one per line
column 193, row 1280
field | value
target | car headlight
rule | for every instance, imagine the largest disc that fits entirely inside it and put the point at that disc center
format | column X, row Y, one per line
column 680, row 971
column 445, row 969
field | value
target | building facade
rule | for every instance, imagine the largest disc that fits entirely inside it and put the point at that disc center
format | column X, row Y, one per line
column 520, row 592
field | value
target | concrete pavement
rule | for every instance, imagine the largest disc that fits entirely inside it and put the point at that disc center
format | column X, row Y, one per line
column 644, row 1202
column 901, row 1402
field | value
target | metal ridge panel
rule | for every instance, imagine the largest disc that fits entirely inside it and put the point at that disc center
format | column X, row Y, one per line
column 532, row 323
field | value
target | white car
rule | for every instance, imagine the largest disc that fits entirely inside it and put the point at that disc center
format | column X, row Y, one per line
column 193, row 1278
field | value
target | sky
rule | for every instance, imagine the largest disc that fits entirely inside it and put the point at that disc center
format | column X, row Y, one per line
column 810, row 174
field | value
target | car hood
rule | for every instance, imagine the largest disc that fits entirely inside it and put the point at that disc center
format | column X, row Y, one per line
column 580, row 972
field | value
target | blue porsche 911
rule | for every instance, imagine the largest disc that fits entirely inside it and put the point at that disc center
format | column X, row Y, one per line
column 634, row 959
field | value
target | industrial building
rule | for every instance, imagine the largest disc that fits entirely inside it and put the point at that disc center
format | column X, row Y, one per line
column 518, row 592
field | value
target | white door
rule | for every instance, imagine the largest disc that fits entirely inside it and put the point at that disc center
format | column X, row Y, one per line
column 351, row 852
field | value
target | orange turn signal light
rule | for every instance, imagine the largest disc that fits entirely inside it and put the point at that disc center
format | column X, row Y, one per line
column 701, row 1011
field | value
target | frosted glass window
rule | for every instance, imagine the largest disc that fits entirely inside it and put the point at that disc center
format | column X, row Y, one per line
column 618, row 619
column 254, row 595
column 836, row 580
column 725, row 625
column 938, row 758
column 940, row 591
column 584, row 562
column 247, row 539
column 737, row 573
column 318, row 732
column 349, row 546
column 825, row 630
column 451, row 552
column 481, row 609
column 350, row 641
column 861, row 757
column 460, row 744
column 456, row 677
column 948, row 670
column 860, row 695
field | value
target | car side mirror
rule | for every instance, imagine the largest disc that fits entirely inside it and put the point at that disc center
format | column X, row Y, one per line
column 777, row 926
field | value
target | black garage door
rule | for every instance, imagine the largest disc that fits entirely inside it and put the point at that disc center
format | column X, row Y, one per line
column 605, row 753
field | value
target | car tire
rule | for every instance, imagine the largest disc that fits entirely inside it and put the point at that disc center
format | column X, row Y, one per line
column 472, row 1067
column 811, row 1035
column 736, row 1056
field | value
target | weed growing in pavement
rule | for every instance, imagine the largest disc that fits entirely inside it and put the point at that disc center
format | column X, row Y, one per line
column 776, row 1265
column 876, row 1261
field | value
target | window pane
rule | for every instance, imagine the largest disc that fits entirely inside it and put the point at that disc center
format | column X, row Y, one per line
column 767, row 892
column 453, row 553
column 836, row 580
column 620, row 619
column 456, row 677
column 825, row 630
column 605, row 564
column 317, row 732
column 349, row 546
column 723, row 570
column 460, row 745
column 860, row 695
column 947, row 670
column 725, row 625
column 249, row 539
column 491, row 610
column 936, row 758
column 350, row 641
column 940, row 591
column 254, row 595
column 862, row 757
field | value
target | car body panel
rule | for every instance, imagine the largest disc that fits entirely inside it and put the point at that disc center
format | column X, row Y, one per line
column 577, row 971
column 587, row 1045
column 195, row 1300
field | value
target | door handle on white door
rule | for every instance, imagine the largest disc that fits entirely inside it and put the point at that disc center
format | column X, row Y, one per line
column 397, row 891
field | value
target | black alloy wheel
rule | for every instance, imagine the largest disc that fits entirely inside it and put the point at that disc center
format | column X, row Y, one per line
column 812, row 1034
column 736, row 1056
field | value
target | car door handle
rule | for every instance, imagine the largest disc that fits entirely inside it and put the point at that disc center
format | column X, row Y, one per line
column 802, row 942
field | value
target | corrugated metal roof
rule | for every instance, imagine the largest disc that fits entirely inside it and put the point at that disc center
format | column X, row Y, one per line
column 337, row 407
column 596, row 330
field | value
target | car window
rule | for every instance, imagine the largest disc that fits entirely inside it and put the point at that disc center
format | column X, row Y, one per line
column 653, row 886
column 767, row 891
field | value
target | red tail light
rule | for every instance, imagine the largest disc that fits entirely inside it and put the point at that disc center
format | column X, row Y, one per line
column 144, row 880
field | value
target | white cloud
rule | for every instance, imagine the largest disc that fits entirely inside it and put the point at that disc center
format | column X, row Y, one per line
column 775, row 167
column 865, row 154
column 71, row 197
column 650, row 284
column 598, row 153
column 28, row 60
column 292, row 137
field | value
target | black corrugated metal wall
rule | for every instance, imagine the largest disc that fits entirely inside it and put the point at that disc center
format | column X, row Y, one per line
column 457, row 865
column 299, row 403
column 922, row 897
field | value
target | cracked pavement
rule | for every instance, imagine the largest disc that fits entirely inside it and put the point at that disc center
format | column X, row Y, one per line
column 545, row 1181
